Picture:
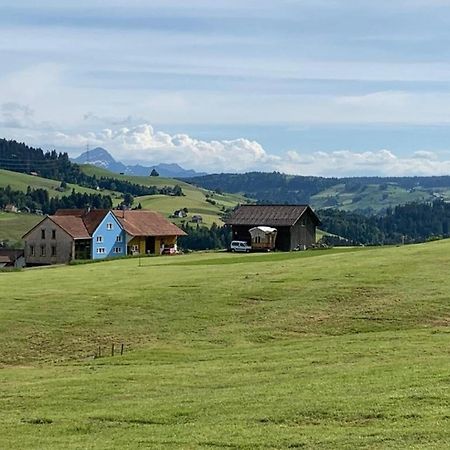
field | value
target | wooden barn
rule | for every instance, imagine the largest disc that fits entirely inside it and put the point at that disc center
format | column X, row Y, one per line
column 295, row 224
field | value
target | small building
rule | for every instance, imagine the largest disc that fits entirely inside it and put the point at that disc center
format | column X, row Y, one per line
column 57, row 239
column 295, row 224
column 197, row 219
column 179, row 213
column 263, row 238
column 148, row 232
column 11, row 208
column 11, row 258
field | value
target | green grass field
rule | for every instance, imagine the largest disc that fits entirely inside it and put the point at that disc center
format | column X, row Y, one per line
column 330, row 349
column 20, row 182
column 194, row 199
column 14, row 226
column 374, row 197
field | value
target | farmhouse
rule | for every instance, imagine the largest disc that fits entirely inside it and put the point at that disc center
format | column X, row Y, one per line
column 97, row 234
column 148, row 231
column 295, row 224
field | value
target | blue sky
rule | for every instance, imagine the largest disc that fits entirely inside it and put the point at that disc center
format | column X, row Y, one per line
column 335, row 87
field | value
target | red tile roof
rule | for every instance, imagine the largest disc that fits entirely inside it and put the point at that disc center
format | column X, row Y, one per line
column 73, row 225
column 269, row 215
column 71, row 212
column 147, row 223
column 93, row 218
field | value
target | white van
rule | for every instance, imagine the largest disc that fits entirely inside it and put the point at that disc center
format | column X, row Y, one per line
column 239, row 246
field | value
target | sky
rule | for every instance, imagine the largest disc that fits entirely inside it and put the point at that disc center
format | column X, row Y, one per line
column 309, row 87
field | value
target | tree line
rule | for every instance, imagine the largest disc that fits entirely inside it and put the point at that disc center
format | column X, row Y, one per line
column 34, row 200
column 280, row 188
column 410, row 223
column 18, row 157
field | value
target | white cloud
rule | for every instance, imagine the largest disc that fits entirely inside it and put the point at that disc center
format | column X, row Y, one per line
column 142, row 144
column 349, row 163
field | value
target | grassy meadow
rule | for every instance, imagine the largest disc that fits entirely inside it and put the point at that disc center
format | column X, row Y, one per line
column 14, row 225
column 330, row 349
column 194, row 198
column 21, row 181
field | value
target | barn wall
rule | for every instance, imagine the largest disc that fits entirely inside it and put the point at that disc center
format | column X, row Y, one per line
column 63, row 242
column 241, row 233
column 303, row 233
column 283, row 241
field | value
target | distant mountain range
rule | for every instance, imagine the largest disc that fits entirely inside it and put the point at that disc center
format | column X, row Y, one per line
column 100, row 157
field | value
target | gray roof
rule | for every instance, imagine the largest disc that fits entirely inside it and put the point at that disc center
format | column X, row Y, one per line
column 269, row 215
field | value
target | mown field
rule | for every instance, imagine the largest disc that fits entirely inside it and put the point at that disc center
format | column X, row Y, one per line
column 194, row 198
column 374, row 197
column 14, row 226
column 21, row 181
column 326, row 349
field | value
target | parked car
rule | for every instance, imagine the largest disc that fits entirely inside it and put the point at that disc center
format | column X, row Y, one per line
column 239, row 246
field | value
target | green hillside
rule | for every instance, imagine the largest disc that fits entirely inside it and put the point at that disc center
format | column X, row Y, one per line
column 374, row 197
column 363, row 194
column 20, row 182
column 320, row 349
column 14, row 226
column 194, row 198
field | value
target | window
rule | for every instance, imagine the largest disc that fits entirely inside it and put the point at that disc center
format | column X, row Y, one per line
column 119, row 238
column 42, row 234
column 99, row 239
column 101, row 250
column 117, row 250
column 53, row 250
column 32, row 250
column 109, row 226
column 53, row 234
column 135, row 248
column 43, row 252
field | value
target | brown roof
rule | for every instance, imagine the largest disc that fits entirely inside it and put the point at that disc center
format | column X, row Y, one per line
column 73, row 225
column 147, row 223
column 93, row 218
column 269, row 215
column 70, row 212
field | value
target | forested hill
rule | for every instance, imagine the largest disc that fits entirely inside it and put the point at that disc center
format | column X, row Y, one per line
column 362, row 194
column 19, row 157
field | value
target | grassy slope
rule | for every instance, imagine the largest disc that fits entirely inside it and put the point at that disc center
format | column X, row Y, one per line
column 321, row 349
column 373, row 196
column 14, row 226
column 20, row 182
column 194, row 199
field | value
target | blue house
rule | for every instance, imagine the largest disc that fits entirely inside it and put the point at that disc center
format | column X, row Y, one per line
column 109, row 238
column 97, row 234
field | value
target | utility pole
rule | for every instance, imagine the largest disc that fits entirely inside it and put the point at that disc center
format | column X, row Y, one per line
column 87, row 153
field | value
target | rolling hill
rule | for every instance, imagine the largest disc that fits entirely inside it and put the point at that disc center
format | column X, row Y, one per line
column 20, row 181
column 195, row 198
column 230, row 351
column 368, row 195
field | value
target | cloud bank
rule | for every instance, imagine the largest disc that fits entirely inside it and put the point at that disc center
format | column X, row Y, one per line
column 143, row 144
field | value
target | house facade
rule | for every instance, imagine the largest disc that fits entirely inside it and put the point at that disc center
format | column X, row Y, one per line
column 56, row 240
column 108, row 238
column 295, row 224
column 79, row 234
column 148, row 232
